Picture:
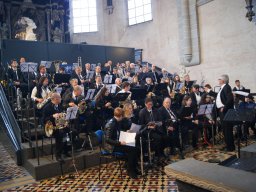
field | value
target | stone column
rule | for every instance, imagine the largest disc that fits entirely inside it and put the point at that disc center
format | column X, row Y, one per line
column 186, row 31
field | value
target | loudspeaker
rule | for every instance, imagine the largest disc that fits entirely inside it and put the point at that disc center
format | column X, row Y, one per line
column 109, row 3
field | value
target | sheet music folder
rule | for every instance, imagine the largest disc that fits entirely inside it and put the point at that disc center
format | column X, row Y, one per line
column 205, row 109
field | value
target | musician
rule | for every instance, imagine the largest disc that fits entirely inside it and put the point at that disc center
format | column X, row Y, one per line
column 73, row 83
column 135, row 81
column 165, row 74
column 224, row 102
column 147, row 117
column 77, row 74
column 170, row 125
column 104, row 106
column 208, row 90
column 155, row 74
column 112, row 131
column 115, row 75
column 149, row 85
column 176, row 83
column 43, row 73
column 188, row 121
column 41, row 91
column 238, row 87
column 108, row 66
column 52, row 111
column 98, row 84
column 73, row 98
column 118, row 83
column 195, row 96
column 14, row 74
column 87, row 69
column 248, row 104
column 127, row 76
column 97, row 73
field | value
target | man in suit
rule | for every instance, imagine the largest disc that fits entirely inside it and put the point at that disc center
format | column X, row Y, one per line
column 73, row 98
column 224, row 102
column 195, row 96
column 97, row 85
column 50, row 113
column 156, row 77
column 77, row 74
column 170, row 124
column 147, row 119
column 118, row 83
column 43, row 73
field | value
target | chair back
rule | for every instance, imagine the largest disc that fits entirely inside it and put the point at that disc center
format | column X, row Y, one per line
column 99, row 134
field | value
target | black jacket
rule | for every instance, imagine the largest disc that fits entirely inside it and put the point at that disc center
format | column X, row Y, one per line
column 48, row 112
column 68, row 99
column 227, row 98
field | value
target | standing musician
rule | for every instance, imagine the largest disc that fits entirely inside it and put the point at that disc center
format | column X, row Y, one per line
column 148, row 118
column 188, row 121
column 112, row 132
column 52, row 111
column 170, row 124
column 224, row 102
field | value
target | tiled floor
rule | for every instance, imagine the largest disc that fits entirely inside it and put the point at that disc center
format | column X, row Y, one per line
column 14, row 178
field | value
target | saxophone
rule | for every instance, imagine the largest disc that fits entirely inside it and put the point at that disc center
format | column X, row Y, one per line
column 47, row 98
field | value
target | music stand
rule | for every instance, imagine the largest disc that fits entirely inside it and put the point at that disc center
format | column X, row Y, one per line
column 205, row 110
column 111, row 88
column 108, row 79
column 71, row 115
column 93, row 66
column 27, row 68
column 90, row 94
column 138, row 94
column 89, row 75
column 47, row 64
column 240, row 117
column 122, row 96
column 75, row 65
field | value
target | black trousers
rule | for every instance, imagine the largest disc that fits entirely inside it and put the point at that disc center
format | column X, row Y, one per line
column 228, row 132
column 60, row 145
column 185, row 127
column 131, row 154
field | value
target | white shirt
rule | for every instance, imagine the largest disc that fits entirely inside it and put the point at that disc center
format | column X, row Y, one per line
column 198, row 98
column 219, row 104
column 44, row 93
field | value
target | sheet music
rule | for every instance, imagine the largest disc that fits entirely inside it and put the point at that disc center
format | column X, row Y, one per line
column 58, row 90
column 108, row 79
column 28, row 67
column 47, row 64
column 93, row 66
column 71, row 113
column 135, row 128
column 89, row 75
column 111, row 88
column 129, row 138
column 90, row 94
column 241, row 93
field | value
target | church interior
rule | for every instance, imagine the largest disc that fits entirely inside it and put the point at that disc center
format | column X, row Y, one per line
column 128, row 95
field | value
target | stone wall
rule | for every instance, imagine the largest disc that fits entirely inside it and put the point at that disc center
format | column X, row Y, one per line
column 227, row 38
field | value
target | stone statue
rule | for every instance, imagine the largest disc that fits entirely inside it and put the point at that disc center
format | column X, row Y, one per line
column 4, row 31
column 57, row 35
column 26, row 28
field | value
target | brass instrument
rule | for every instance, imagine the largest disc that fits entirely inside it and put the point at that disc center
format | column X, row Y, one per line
column 183, row 90
column 81, row 107
column 60, row 123
column 47, row 98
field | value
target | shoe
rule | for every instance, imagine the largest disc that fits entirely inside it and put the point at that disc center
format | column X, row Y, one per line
column 132, row 175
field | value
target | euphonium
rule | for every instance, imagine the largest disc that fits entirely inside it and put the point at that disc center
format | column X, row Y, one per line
column 60, row 122
column 183, row 90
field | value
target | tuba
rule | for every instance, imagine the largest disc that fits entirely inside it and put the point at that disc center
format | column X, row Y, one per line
column 60, row 123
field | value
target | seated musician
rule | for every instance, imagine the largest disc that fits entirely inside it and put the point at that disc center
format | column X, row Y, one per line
column 73, row 83
column 52, row 111
column 43, row 73
column 195, row 96
column 238, row 98
column 187, row 115
column 129, row 115
column 115, row 75
column 149, row 119
column 73, row 98
column 170, row 125
column 77, row 74
column 118, row 83
column 41, row 91
column 149, row 85
column 104, row 109
column 112, row 132
column 248, row 104
column 208, row 120
column 208, row 90
column 97, row 73
column 135, row 81
column 98, row 84
column 155, row 74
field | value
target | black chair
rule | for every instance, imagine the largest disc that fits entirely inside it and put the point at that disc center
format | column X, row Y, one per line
column 118, row 156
